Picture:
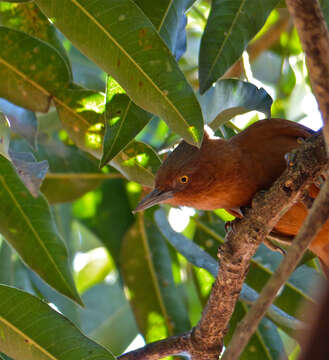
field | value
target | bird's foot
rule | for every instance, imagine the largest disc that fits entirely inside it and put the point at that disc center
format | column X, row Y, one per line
column 230, row 225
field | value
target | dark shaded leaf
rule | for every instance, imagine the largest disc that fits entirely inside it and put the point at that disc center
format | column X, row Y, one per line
column 139, row 61
column 22, row 122
column 231, row 25
column 28, row 332
column 231, row 97
column 26, row 223
column 148, row 271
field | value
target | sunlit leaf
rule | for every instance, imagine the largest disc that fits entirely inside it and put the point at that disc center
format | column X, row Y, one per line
column 138, row 162
column 139, row 60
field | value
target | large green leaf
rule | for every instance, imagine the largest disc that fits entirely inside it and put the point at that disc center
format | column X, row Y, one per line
column 123, row 42
column 231, row 97
column 106, row 309
column 30, row 70
column 29, row 19
column 34, row 331
column 124, row 120
column 26, row 223
column 231, row 25
column 162, row 311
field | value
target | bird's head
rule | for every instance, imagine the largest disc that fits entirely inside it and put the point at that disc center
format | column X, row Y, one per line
column 181, row 177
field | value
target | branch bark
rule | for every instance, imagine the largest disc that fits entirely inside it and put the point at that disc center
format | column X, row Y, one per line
column 205, row 340
column 318, row 215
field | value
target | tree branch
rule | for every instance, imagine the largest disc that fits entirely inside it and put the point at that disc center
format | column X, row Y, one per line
column 318, row 215
column 313, row 33
column 205, row 340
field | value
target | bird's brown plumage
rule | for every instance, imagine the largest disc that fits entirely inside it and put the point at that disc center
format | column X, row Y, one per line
column 227, row 174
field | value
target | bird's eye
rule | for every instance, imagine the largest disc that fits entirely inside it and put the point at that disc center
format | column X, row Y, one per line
column 183, row 179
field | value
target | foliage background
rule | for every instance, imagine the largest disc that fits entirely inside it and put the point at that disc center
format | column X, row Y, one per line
column 134, row 274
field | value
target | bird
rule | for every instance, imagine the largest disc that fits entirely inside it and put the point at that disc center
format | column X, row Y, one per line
column 228, row 173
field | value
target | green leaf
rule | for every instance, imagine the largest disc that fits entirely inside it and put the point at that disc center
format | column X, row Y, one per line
column 6, row 263
column 139, row 60
column 81, row 112
column 26, row 223
column 4, row 136
column 231, row 25
column 138, row 162
column 124, row 120
column 31, row 71
column 28, row 332
column 110, row 217
column 29, row 19
column 98, row 265
column 106, row 308
column 264, row 344
column 148, row 271
column 72, row 171
column 169, row 20
column 231, row 97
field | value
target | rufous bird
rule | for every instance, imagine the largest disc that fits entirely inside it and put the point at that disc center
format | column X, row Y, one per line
column 228, row 173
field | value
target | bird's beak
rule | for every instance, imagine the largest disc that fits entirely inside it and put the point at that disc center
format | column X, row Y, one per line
column 153, row 198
